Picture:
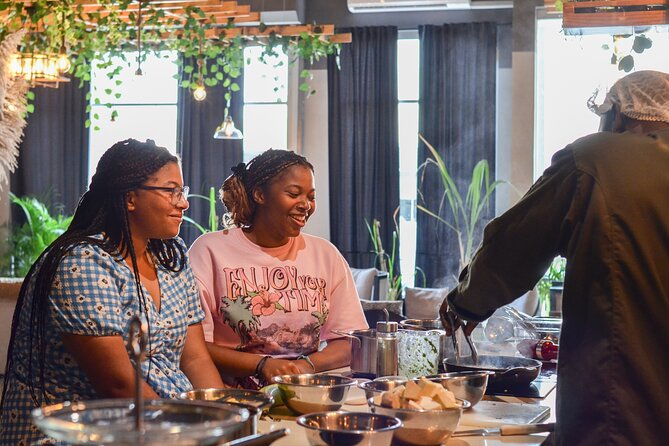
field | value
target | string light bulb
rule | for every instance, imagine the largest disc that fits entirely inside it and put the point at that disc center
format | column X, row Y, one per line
column 64, row 63
column 199, row 94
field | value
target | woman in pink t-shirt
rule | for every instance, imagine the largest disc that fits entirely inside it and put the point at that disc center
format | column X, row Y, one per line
column 274, row 298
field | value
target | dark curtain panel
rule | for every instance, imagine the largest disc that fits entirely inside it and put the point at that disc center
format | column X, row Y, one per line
column 457, row 116
column 363, row 141
column 206, row 161
column 53, row 157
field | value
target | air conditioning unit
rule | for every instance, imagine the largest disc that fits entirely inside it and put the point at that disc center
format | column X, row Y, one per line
column 357, row 6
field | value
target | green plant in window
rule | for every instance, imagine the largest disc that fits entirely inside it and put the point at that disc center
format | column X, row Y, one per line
column 213, row 218
column 555, row 273
column 386, row 262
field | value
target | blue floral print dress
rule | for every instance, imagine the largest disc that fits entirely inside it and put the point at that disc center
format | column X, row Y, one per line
column 94, row 294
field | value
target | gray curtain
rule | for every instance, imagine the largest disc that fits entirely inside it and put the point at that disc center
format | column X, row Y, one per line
column 457, row 116
column 53, row 156
column 363, row 141
column 206, row 161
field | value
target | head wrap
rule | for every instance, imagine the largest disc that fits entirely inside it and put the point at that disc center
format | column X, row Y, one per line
column 643, row 95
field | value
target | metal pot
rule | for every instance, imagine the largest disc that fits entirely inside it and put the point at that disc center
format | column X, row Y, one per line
column 509, row 370
column 363, row 351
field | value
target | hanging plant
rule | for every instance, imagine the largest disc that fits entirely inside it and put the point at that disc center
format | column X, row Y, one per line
column 113, row 34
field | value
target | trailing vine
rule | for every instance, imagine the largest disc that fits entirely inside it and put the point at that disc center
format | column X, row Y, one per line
column 122, row 33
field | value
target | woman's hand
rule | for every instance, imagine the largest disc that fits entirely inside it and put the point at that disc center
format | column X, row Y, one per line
column 275, row 367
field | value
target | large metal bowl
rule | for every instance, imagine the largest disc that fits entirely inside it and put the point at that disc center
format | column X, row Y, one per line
column 255, row 401
column 173, row 422
column 307, row 393
column 469, row 386
column 349, row 428
column 422, row 427
column 378, row 386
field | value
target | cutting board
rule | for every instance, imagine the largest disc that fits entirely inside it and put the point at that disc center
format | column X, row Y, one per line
column 496, row 413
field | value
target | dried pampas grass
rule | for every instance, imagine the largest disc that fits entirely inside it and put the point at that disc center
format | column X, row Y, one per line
column 12, row 107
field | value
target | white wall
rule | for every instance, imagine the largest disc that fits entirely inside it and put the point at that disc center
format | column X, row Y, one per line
column 314, row 131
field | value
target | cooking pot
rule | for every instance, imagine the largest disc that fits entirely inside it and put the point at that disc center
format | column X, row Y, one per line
column 509, row 371
column 363, row 351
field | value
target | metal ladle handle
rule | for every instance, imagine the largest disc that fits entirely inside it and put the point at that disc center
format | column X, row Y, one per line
column 137, row 342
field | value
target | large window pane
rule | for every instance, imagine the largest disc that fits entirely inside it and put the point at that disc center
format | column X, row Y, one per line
column 408, row 61
column 265, row 82
column 157, row 122
column 265, row 126
column 157, row 85
column 569, row 69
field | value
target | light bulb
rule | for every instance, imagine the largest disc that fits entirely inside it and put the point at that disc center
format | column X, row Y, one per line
column 64, row 63
column 199, row 93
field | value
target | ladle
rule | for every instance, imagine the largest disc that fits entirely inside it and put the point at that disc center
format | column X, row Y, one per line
column 137, row 342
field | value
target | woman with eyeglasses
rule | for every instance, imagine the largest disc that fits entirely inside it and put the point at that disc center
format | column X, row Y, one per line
column 276, row 299
column 119, row 258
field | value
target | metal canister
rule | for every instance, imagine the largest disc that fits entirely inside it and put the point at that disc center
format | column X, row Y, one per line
column 386, row 348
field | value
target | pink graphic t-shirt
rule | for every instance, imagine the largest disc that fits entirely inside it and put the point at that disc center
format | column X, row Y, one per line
column 277, row 301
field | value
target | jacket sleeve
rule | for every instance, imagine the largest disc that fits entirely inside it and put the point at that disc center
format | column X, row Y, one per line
column 518, row 246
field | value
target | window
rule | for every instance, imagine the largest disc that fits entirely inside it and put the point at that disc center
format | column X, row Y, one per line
column 265, row 103
column 147, row 108
column 408, row 62
column 569, row 69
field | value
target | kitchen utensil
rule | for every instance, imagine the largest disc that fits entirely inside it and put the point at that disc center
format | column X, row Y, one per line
column 307, row 393
column 509, row 370
column 475, row 353
column 469, row 386
column 422, row 427
column 259, row 439
column 349, row 428
column 166, row 422
column 508, row 429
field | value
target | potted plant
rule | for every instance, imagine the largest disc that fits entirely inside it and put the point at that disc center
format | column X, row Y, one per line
column 386, row 262
column 29, row 240
column 466, row 212
column 550, row 288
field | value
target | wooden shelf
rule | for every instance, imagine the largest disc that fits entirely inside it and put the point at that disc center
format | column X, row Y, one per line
column 615, row 13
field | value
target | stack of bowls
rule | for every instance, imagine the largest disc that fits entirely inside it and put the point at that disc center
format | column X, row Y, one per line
column 349, row 428
column 422, row 427
column 308, row 393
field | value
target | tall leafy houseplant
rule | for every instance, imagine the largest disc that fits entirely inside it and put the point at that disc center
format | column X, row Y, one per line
column 213, row 218
column 41, row 228
column 466, row 212
column 386, row 261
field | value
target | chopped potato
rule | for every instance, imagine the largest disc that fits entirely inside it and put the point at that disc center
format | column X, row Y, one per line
column 419, row 395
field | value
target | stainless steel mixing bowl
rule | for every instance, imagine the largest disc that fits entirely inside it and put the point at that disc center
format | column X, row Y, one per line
column 307, row 393
column 349, row 428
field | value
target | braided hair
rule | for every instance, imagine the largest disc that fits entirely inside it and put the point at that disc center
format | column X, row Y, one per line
column 101, row 210
column 237, row 190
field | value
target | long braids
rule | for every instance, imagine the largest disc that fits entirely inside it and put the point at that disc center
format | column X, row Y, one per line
column 101, row 210
column 236, row 192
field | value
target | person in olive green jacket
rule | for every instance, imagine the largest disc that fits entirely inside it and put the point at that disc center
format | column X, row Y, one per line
column 604, row 205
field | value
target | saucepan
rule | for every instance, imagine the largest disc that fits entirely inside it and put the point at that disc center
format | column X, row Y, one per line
column 509, row 370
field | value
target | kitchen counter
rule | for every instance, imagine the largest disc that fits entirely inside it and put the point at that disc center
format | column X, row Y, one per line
column 517, row 409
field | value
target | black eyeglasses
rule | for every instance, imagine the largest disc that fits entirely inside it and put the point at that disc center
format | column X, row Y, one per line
column 178, row 193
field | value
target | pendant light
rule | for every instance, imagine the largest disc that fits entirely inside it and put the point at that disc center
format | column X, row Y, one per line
column 227, row 130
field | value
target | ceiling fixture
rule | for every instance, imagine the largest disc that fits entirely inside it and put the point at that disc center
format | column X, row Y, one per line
column 227, row 130
column 38, row 69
